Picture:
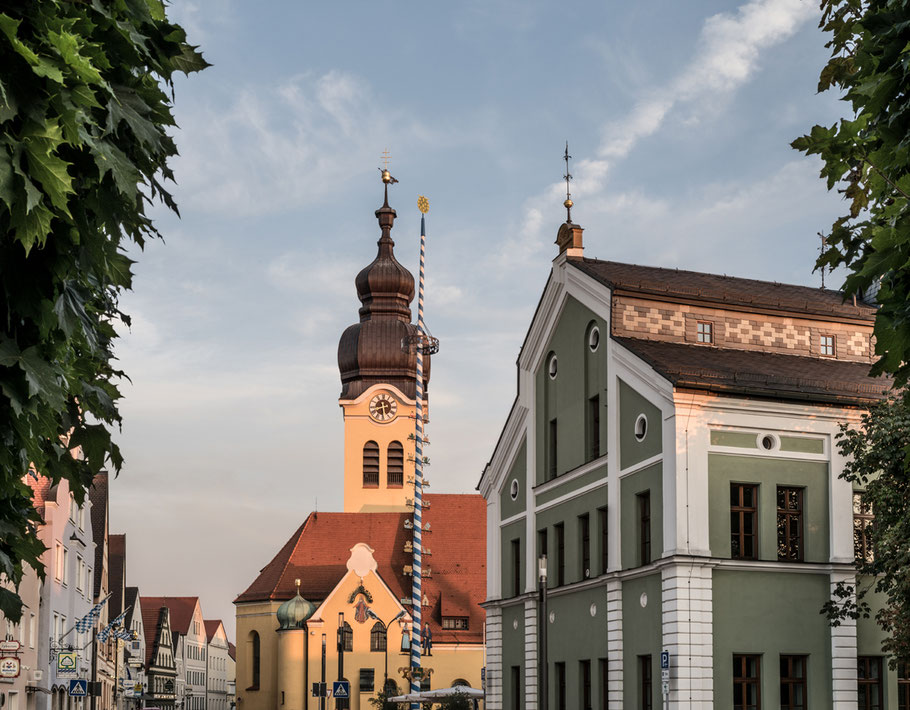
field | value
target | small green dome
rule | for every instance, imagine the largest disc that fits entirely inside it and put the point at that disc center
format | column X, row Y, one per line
column 294, row 612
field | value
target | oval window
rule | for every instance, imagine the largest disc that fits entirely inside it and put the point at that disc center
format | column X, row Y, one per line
column 513, row 489
column 767, row 441
column 594, row 338
column 552, row 367
column 641, row 427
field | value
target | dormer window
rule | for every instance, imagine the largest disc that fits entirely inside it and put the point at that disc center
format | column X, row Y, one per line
column 704, row 331
column 455, row 623
column 826, row 345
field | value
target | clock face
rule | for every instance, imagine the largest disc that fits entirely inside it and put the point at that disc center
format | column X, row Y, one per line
column 383, row 407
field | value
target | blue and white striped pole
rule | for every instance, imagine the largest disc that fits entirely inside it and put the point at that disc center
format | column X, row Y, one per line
column 416, row 595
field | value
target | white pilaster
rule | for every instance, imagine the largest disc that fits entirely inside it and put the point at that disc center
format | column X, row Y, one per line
column 843, row 655
column 614, row 644
column 688, row 635
column 493, row 639
column 530, row 622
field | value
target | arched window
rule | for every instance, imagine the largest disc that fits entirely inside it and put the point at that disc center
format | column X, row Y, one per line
column 348, row 637
column 254, row 660
column 395, row 464
column 378, row 638
column 371, row 465
column 391, row 688
column 462, row 682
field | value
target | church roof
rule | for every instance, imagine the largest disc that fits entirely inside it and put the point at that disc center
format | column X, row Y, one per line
column 750, row 372
column 723, row 290
column 318, row 551
column 181, row 609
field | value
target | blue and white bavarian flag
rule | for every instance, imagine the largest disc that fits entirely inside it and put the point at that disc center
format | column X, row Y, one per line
column 103, row 634
column 87, row 622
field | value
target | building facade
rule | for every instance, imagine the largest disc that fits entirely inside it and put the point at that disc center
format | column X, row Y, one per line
column 217, row 661
column 671, row 452
column 160, row 663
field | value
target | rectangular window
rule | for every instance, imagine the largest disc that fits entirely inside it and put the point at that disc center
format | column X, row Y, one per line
column 704, row 331
column 746, row 682
column 542, row 542
column 516, row 687
column 869, row 682
column 456, row 623
column 863, row 519
column 789, row 524
column 644, row 682
column 903, row 686
column 743, row 519
column 594, row 427
column 32, row 629
column 604, row 540
column 644, row 527
column 826, row 345
column 604, row 675
column 584, row 530
column 516, row 567
column 560, row 686
column 793, row 683
column 560, row 554
column 366, row 680
column 551, row 450
column 585, row 672
column 58, row 558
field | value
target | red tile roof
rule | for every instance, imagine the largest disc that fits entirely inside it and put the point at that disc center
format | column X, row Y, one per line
column 318, row 551
column 151, row 615
column 232, row 651
column 749, row 372
column 181, row 609
column 98, row 494
column 723, row 290
column 211, row 628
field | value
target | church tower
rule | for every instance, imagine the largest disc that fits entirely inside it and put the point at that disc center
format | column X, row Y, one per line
column 378, row 365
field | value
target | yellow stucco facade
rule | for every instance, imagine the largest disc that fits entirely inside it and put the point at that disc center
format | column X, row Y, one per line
column 290, row 661
column 384, row 416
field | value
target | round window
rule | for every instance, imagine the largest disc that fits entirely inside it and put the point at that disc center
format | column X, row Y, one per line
column 513, row 489
column 641, row 427
column 594, row 338
column 767, row 441
column 552, row 367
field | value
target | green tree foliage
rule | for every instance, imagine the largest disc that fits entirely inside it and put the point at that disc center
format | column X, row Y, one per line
column 867, row 157
column 84, row 152
column 878, row 462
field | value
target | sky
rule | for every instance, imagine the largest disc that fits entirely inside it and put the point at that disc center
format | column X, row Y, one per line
column 678, row 116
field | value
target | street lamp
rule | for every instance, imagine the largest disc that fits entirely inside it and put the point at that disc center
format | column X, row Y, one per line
column 542, row 674
column 385, row 627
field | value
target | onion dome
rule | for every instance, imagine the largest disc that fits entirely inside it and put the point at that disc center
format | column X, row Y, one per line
column 375, row 350
column 294, row 612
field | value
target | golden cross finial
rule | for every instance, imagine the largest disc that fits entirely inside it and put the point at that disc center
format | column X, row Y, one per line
column 567, row 177
column 386, row 158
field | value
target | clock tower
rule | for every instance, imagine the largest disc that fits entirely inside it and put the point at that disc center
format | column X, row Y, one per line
column 378, row 367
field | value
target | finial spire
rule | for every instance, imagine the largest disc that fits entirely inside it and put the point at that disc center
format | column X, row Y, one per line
column 567, row 177
column 387, row 178
column 297, row 583
column 821, row 253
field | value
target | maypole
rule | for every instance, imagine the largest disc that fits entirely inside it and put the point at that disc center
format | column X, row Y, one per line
column 423, row 347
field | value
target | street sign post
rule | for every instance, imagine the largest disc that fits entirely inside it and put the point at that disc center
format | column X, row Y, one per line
column 319, row 690
column 78, row 688
column 67, row 662
column 341, row 689
column 10, row 667
column 664, row 660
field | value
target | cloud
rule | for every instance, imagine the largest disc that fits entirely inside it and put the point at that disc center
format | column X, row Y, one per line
column 727, row 55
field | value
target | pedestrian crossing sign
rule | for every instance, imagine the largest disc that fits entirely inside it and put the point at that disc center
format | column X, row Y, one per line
column 341, row 689
column 78, row 688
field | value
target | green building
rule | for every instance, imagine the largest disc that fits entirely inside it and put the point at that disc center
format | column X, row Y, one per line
column 671, row 450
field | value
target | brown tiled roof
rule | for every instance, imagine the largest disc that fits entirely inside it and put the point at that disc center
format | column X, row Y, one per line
column 181, row 610
column 318, row 551
column 723, row 290
column 116, row 564
column 749, row 372
column 40, row 489
column 211, row 628
column 232, row 651
column 98, row 495
column 130, row 598
column 151, row 615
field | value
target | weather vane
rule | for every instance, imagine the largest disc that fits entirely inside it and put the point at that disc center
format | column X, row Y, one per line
column 567, row 177
column 386, row 175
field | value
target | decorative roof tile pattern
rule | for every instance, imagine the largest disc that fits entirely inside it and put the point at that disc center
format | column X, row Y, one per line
column 318, row 551
column 755, row 373
column 724, row 290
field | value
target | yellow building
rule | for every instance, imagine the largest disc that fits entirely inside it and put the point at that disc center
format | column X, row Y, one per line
column 353, row 569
